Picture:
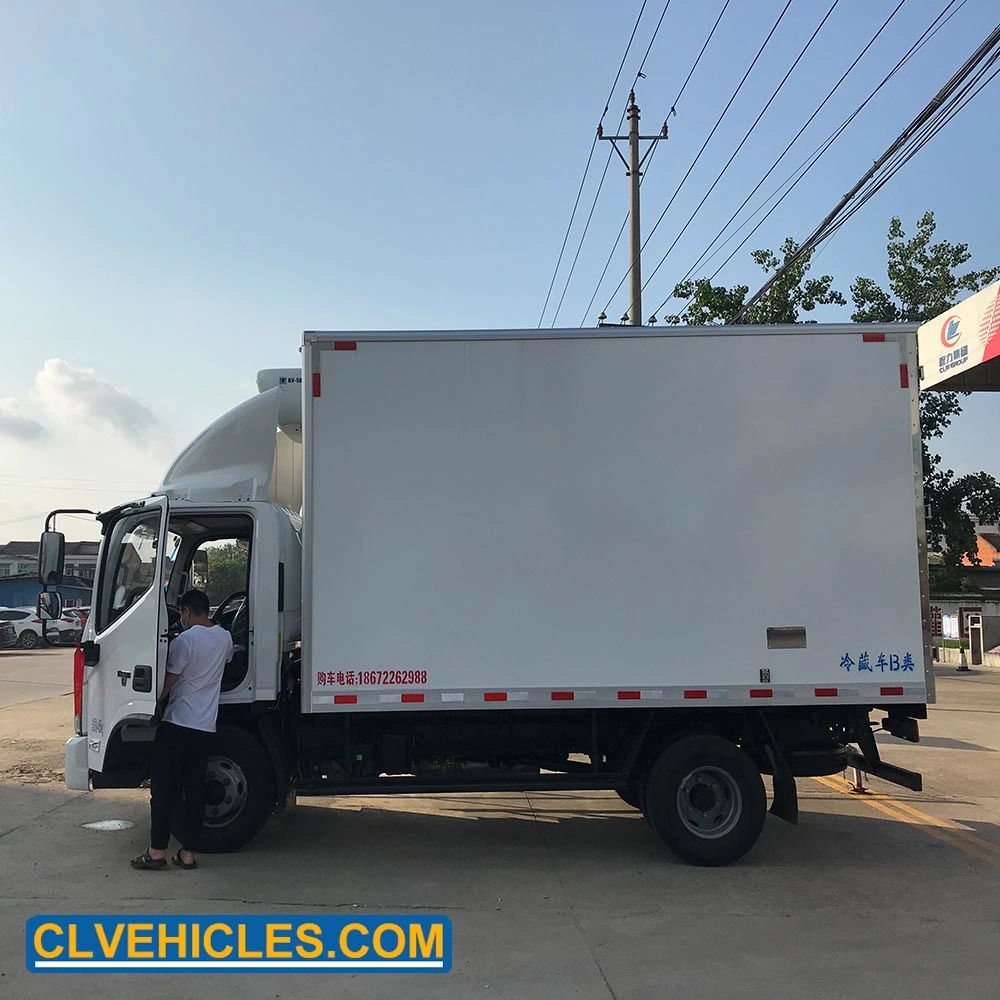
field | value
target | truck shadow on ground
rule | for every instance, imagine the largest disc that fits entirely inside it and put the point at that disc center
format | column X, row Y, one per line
column 572, row 829
column 458, row 850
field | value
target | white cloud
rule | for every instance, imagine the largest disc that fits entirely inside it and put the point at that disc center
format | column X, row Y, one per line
column 76, row 396
column 14, row 424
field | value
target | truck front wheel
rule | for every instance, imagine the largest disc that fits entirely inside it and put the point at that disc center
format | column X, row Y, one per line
column 706, row 800
column 239, row 794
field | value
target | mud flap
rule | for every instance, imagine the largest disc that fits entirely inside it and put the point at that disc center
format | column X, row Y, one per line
column 786, row 795
column 785, row 804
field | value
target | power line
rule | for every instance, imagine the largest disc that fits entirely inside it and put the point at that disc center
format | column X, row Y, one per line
column 586, row 169
column 694, row 162
column 810, row 161
column 784, row 152
column 749, row 132
column 935, row 116
column 27, row 517
column 687, row 79
column 67, row 479
column 607, row 164
column 938, row 109
column 64, row 489
column 673, row 110
column 930, row 130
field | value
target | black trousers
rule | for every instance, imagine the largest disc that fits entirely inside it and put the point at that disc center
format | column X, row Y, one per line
column 177, row 785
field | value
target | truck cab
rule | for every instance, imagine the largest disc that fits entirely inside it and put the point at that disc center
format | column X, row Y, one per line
column 220, row 522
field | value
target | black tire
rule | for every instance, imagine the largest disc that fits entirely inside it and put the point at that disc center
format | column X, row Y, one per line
column 705, row 798
column 28, row 639
column 241, row 792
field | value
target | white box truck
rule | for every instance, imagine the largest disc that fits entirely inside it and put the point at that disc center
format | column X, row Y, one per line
column 663, row 563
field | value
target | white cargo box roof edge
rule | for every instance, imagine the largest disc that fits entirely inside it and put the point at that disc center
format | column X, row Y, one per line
column 324, row 339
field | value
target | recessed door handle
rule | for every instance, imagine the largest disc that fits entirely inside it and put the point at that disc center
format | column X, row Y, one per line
column 143, row 679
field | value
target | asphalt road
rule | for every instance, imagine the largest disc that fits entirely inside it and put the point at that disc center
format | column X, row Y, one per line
column 551, row 895
column 27, row 676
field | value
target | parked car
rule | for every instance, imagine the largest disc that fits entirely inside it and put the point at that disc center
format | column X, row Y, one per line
column 28, row 628
column 80, row 614
column 8, row 637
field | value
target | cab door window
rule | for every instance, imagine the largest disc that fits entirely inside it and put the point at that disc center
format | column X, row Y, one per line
column 221, row 568
column 130, row 566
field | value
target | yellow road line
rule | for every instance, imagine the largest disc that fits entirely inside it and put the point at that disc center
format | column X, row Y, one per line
column 944, row 830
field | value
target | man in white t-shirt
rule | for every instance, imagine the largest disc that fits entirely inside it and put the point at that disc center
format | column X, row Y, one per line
column 188, row 707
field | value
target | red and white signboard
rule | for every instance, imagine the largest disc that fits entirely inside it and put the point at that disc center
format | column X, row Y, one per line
column 960, row 339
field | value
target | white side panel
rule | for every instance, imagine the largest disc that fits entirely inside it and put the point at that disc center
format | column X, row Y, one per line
column 286, row 478
column 238, row 456
column 608, row 514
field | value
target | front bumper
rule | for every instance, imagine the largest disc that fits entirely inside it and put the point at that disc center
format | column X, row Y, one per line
column 77, row 769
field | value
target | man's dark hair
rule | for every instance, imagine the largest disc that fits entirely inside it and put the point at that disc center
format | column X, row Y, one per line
column 196, row 601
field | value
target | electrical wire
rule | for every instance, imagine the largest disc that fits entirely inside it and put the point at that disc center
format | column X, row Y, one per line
column 607, row 164
column 969, row 92
column 586, row 169
column 66, row 479
column 935, row 117
column 813, row 158
column 65, row 489
column 673, row 111
column 694, row 162
column 795, row 138
column 687, row 79
column 940, row 110
column 735, row 153
column 27, row 517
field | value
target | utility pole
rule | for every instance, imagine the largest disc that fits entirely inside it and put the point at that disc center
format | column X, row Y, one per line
column 633, row 170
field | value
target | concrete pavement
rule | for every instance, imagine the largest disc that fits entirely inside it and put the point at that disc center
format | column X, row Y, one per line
column 32, row 675
column 569, row 895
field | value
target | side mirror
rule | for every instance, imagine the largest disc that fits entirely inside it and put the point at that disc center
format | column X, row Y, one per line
column 50, row 606
column 51, row 558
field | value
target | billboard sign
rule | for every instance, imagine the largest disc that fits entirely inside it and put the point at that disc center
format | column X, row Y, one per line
column 961, row 338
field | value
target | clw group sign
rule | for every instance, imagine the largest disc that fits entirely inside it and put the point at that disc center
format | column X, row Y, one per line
column 961, row 338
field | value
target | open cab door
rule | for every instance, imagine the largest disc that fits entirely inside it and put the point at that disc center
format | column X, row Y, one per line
column 127, row 657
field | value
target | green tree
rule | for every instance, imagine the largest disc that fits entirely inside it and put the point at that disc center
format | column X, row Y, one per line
column 924, row 281
column 793, row 294
column 227, row 570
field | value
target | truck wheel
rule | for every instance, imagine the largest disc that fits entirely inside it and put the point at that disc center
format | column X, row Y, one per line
column 240, row 792
column 705, row 798
column 28, row 639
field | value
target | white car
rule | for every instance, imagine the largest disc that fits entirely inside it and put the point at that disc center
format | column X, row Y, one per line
column 28, row 627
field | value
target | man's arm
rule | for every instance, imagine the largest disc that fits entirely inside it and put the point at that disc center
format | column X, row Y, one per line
column 168, row 683
column 177, row 659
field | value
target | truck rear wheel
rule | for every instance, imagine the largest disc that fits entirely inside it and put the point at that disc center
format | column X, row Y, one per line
column 240, row 792
column 705, row 798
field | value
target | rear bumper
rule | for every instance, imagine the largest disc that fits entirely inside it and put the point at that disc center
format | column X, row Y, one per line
column 77, row 770
column 887, row 772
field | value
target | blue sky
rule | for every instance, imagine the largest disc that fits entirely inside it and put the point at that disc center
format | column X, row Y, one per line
column 186, row 187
